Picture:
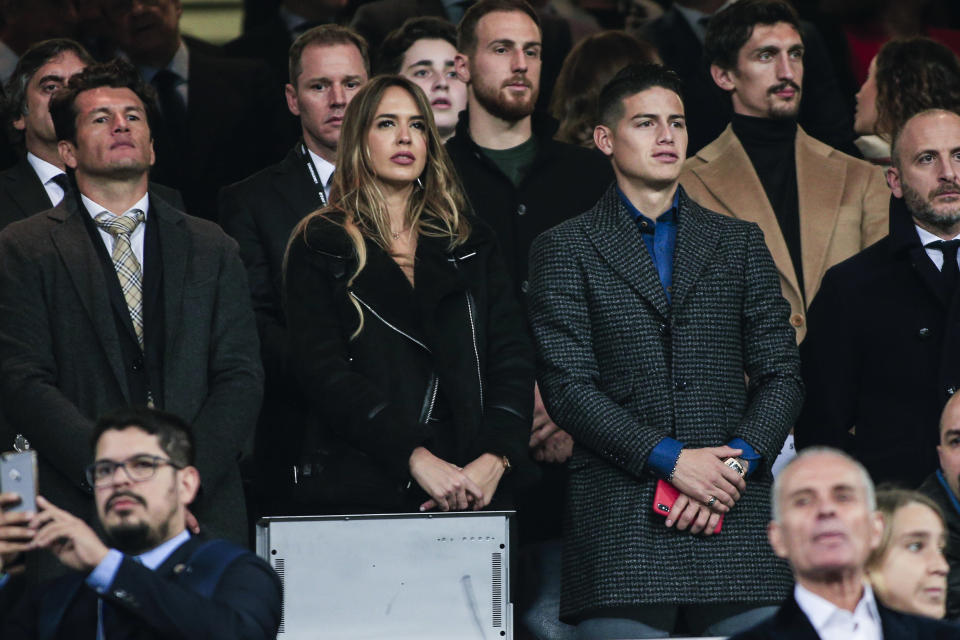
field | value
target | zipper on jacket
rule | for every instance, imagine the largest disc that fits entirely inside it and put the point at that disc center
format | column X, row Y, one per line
column 435, row 383
column 476, row 351
column 381, row 318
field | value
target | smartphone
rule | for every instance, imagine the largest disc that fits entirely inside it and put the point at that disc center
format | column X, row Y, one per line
column 18, row 474
column 664, row 497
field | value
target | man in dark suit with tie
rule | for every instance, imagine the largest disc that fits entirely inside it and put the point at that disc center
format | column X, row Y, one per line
column 38, row 180
column 328, row 65
column 148, row 577
column 881, row 355
column 34, row 183
column 115, row 298
column 221, row 117
column 825, row 524
column 648, row 310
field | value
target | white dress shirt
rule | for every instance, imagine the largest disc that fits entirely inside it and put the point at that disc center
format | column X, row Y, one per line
column 325, row 169
column 936, row 255
column 833, row 623
column 136, row 238
column 47, row 172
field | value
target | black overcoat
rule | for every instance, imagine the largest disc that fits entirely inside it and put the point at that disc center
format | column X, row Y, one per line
column 882, row 355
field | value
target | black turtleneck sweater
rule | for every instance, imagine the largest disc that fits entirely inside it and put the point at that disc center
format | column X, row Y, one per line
column 770, row 145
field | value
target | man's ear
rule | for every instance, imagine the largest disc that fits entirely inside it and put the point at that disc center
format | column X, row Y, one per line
column 775, row 536
column 876, row 529
column 68, row 153
column 20, row 124
column 290, row 92
column 461, row 64
column 724, row 78
column 893, row 181
column 603, row 138
column 188, row 484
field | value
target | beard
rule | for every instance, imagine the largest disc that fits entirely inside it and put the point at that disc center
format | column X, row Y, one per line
column 135, row 538
column 923, row 210
column 493, row 100
column 784, row 110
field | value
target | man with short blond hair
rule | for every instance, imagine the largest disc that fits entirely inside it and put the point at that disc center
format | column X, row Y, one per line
column 328, row 64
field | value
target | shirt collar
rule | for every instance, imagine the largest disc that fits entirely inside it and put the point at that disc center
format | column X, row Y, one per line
column 324, row 168
column 44, row 170
column 668, row 216
column 94, row 209
column 820, row 611
column 158, row 555
column 179, row 64
column 926, row 237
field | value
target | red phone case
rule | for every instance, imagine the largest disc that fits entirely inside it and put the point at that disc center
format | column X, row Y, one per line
column 664, row 497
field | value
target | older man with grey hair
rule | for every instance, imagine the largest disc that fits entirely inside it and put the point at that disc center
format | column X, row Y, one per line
column 825, row 524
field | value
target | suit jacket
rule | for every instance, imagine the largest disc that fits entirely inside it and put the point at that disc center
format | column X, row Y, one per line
column 791, row 623
column 22, row 194
column 260, row 213
column 842, row 202
column 234, row 128
column 144, row 604
column 620, row 368
column 61, row 362
column 881, row 356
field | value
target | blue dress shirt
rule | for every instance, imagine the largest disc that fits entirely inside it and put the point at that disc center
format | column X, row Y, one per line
column 660, row 238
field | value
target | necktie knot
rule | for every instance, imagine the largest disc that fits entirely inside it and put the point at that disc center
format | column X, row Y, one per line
column 120, row 225
column 948, row 247
column 62, row 181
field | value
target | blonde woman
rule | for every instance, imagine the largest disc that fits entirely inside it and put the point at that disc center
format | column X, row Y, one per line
column 404, row 331
column 908, row 571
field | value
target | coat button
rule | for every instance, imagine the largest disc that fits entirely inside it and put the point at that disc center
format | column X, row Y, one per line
column 680, row 384
column 137, row 364
column 521, row 209
column 796, row 320
column 524, row 286
column 923, row 333
column 663, row 330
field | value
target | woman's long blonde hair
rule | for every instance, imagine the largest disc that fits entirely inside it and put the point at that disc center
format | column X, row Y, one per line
column 357, row 203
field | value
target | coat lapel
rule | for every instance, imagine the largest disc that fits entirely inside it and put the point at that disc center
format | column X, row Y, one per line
column 735, row 183
column 617, row 239
column 820, row 182
column 697, row 236
column 175, row 252
column 80, row 260
column 26, row 189
column 294, row 186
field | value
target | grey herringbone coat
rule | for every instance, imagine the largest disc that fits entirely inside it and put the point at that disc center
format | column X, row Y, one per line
column 620, row 368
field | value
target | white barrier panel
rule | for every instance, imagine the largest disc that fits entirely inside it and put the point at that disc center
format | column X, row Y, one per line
column 397, row 576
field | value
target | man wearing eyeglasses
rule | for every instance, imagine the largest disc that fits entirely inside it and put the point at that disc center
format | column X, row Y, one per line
column 148, row 578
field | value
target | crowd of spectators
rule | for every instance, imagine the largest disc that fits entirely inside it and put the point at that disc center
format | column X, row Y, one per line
column 557, row 256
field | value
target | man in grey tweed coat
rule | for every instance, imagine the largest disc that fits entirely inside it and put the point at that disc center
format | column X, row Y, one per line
column 645, row 328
